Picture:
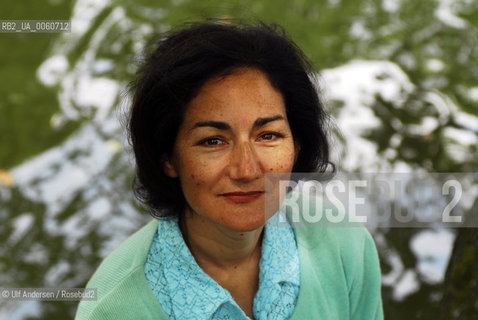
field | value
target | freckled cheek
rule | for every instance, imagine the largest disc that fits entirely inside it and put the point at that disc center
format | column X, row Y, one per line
column 197, row 173
column 279, row 162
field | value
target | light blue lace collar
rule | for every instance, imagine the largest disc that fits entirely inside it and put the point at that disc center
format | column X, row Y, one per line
column 185, row 291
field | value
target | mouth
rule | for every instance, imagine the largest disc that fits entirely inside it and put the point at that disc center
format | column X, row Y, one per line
column 243, row 197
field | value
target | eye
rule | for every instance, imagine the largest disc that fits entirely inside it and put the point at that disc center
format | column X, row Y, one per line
column 270, row 136
column 211, row 142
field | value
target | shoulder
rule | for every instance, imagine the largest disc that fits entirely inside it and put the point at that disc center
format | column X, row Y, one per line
column 126, row 258
column 346, row 240
column 120, row 279
column 344, row 257
column 349, row 249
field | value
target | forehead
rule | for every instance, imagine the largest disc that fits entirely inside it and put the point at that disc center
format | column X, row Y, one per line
column 246, row 92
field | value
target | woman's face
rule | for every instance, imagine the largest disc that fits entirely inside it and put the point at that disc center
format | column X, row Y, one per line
column 234, row 131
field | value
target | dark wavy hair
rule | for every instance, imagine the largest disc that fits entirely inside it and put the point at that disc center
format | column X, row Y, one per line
column 180, row 62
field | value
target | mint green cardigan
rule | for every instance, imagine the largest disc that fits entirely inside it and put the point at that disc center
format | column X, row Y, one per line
column 340, row 277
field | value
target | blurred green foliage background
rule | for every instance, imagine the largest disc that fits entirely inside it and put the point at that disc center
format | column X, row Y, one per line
column 65, row 170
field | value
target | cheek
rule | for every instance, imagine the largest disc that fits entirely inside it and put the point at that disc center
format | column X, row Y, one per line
column 194, row 173
column 280, row 161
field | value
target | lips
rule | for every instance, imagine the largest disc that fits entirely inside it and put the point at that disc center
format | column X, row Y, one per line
column 243, row 197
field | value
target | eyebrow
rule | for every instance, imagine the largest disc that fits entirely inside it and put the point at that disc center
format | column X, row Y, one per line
column 225, row 126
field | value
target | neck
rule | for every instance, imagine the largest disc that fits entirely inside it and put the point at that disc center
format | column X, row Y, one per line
column 217, row 247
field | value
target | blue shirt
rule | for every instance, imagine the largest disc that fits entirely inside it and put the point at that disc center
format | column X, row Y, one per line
column 185, row 291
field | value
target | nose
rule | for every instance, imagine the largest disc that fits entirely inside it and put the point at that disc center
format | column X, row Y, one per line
column 244, row 164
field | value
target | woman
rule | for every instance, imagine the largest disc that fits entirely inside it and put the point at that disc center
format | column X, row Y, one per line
column 216, row 108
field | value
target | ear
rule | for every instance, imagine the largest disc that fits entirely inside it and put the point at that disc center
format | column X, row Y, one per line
column 168, row 168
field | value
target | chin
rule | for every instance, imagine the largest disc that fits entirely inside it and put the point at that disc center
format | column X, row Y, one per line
column 248, row 228
column 245, row 223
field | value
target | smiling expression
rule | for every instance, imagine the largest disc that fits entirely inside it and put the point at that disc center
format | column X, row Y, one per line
column 233, row 133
